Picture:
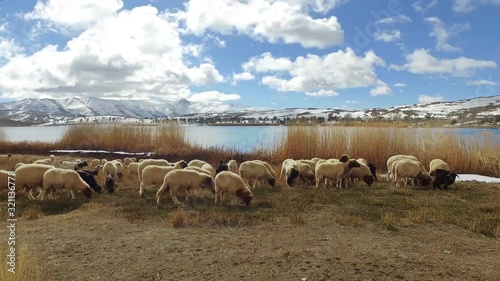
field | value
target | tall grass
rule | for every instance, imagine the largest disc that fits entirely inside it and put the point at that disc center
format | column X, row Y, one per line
column 466, row 154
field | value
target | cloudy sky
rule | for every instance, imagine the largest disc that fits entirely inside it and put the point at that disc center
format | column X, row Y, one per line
column 272, row 53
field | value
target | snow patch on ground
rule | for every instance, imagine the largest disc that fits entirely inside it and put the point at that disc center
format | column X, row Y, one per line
column 478, row 178
column 102, row 151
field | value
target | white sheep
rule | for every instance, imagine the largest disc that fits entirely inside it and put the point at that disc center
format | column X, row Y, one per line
column 334, row 171
column 119, row 167
column 128, row 160
column 232, row 166
column 94, row 163
column 268, row 166
column 103, row 161
column 229, row 182
column 209, row 168
column 197, row 163
column 408, row 168
column 310, row 163
column 316, row 160
column 153, row 175
column 132, row 167
column 73, row 165
column 57, row 178
column 198, row 169
column 147, row 162
column 250, row 170
column 18, row 165
column 5, row 158
column 362, row 161
column 30, row 176
column 362, row 173
column 438, row 164
column 109, row 168
column 188, row 180
column 293, row 169
column 48, row 161
column 394, row 158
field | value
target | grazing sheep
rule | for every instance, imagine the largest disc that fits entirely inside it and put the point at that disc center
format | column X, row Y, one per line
column 188, row 180
column 392, row 159
column 110, row 184
column 373, row 170
column 119, row 167
column 147, row 162
column 442, row 177
column 94, row 163
column 250, row 170
column 197, row 163
column 335, row 171
column 89, row 178
column 438, row 164
column 228, row 182
column 57, row 178
column 292, row 167
column 232, row 166
column 128, row 160
column 287, row 163
column 362, row 173
column 109, row 170
column 310, row 163
column 316, row 160
column 153, row 175
column 4, row 158
column 179, row 164
column 407, row 168
column 222, row 167
column 30, row 176
column 199, row 170
column 209, row 168
column 132, row 167
column 48, row 161
column 70, row 165
column 269, row 168
column 362, row 161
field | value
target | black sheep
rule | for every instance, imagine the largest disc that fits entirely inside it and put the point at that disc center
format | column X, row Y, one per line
column 222, row 167
column 442, row 177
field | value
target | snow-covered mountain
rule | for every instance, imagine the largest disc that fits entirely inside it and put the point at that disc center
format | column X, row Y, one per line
column 48, row 110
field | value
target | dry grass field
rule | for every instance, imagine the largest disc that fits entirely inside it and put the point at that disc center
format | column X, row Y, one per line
column 359, row 233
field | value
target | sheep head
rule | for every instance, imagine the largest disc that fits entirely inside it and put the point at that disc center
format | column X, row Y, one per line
column 208, row 183
column 87, row 192
column 423, row 179
column 344, row 158
column 291, row 178
column 183, row 164
column 373, row 170
column 271, row 182
column 368, row 180
column 244, row 195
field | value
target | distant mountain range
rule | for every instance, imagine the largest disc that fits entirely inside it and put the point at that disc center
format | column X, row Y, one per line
column 39, row 111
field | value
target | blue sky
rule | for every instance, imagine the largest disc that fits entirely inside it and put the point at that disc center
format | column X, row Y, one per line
column 271, row 53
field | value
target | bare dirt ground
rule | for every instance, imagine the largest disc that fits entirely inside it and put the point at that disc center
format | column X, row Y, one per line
column 98, row 241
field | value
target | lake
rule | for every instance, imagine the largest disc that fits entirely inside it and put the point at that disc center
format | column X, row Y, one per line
column 244, row 138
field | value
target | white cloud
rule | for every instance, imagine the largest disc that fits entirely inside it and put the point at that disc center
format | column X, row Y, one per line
column 75, row 15
column 394, row 19
column 211, row 96
column 312, row 74
column 4, row 27
column 465, row 6
column 423, row 5
column 322, row 93
column 244, row 76
column 387, row 35
column 421, row 62
column 8, row 49
column 399, row 85
column 122, row 55
column 443, row 33
column 423, row 99
column 351, row 101
column 481, row 82
column 272, row 20
column 381, row 89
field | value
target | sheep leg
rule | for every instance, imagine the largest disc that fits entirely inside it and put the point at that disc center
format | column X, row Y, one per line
column 72, row 194
column 42, row 195
column 141, row 190
column 173, row 196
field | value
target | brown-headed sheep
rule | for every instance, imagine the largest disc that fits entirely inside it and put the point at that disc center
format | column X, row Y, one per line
column 334, row 171
column 253, row 171
column 407, row 168
column 57, row 178
column 228, row 182
column 188, row 180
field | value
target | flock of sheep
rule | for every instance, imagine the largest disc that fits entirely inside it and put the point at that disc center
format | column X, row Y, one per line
column 226, row 179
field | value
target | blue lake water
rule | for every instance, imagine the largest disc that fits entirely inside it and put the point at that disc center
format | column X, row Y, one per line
column 243, row 138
